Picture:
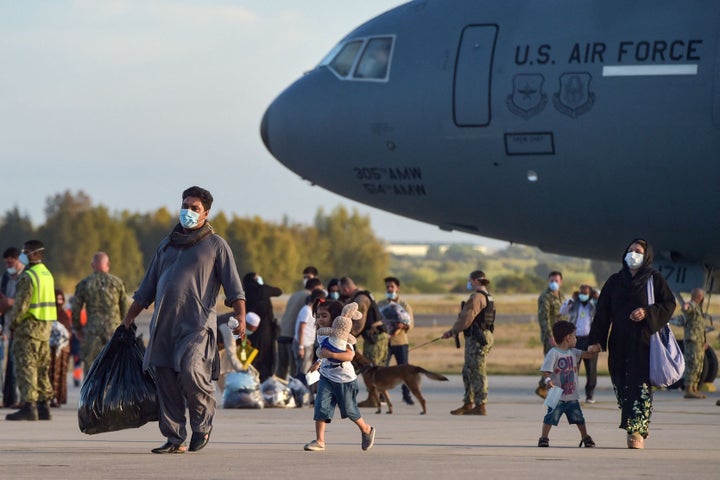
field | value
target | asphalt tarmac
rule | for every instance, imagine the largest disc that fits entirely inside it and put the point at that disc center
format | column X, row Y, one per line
column 268, row 443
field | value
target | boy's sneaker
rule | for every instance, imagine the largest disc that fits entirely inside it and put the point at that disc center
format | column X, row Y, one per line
column 543, row 442
column 589, row 400
column 368, row 439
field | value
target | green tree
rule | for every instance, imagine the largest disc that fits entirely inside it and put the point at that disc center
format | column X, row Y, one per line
column 120, row 243
column 220, row 224
column 602, row 271
column 267, row 249
column 150, row 229
column 15, row 229
column 356, row 252
column 516, row 283
column 75, row 230
column 70, row 236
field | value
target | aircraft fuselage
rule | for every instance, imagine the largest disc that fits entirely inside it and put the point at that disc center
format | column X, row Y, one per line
column 573, row 126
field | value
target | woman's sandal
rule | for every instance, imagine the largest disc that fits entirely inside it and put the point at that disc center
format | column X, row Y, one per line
column 635, row 441
column 587, row 442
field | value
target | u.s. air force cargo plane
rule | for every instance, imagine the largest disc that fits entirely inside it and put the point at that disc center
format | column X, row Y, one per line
column 571, row 125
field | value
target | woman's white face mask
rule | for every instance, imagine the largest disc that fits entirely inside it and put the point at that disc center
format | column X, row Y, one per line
column 634, row 259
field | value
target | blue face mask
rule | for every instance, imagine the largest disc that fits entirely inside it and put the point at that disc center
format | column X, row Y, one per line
column 391, row 295
column 334, row 295
column 583, row 297
column 188, row 218
column 24, row 258
column 554, row 286
column 470, row 286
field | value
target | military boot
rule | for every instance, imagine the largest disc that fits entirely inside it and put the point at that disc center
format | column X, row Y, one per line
column 478, row 410
column 43, row 410
column 462, row 410
column 28, row 411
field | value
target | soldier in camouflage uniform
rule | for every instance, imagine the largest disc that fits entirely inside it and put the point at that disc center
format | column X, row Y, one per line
column 105, row 300
column 376, row 342
column 476, row 321
column 549, row 304
column 30, row 320
column 695, row 343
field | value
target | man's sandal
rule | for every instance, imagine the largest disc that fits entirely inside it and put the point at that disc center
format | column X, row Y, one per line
column 170, row 447
column 587, row 442
column 543, row 442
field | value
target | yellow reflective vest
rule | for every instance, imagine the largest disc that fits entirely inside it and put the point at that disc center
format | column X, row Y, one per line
column 42, row 302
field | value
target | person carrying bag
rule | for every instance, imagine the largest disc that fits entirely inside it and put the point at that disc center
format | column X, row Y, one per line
column 667, row 363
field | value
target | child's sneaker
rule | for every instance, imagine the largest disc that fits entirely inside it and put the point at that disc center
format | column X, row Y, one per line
column 314, row 446
column 368, row 439
column 544, row 442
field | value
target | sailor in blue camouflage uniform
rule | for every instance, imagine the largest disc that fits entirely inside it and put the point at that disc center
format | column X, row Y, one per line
column 549, row 304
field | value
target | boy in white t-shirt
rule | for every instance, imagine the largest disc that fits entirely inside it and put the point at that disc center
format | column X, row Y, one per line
column 560, row 369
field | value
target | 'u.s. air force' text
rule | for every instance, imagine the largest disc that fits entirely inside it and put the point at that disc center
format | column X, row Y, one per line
column 406, row 181
column 625, row 51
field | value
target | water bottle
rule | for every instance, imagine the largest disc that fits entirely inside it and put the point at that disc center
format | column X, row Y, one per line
column 233, row 323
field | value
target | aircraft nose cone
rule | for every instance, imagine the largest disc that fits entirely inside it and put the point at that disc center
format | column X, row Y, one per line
column 264, row 131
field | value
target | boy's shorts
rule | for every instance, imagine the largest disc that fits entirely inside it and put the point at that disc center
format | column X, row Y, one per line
column 570, row 408
column 330, row 394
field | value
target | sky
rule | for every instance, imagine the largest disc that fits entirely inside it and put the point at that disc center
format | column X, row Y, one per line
column 132, row 101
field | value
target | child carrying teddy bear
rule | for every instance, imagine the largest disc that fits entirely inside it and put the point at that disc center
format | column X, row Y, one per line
column 338, row 384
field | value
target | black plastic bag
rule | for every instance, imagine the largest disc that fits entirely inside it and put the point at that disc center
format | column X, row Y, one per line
column 116, row 393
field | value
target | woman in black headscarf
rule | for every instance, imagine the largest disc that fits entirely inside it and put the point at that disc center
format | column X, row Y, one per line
column 60, row 351
column 623, row 310
column 257, row 299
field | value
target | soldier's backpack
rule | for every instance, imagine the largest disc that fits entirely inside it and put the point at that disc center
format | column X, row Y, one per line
column 373, row 320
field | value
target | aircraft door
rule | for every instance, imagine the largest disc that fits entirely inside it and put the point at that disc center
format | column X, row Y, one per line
column 473, row 70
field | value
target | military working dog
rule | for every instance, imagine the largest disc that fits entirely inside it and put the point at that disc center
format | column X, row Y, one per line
column 379, row 380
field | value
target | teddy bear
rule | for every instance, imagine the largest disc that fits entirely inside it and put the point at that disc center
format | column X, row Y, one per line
column 336, row 337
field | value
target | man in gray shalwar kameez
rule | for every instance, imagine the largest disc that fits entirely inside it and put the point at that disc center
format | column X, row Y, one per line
column 184, row 280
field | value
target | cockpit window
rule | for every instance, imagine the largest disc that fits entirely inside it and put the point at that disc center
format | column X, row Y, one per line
column 366, row 58
column 344, row 60
column 375, row 59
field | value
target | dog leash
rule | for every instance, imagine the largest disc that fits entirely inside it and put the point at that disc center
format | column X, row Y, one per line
column 426, row 343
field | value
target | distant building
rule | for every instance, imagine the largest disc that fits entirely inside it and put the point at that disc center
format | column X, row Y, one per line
column 421, row 249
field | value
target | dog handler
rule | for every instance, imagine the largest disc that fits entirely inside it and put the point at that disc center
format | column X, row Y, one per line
column 476, row 321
